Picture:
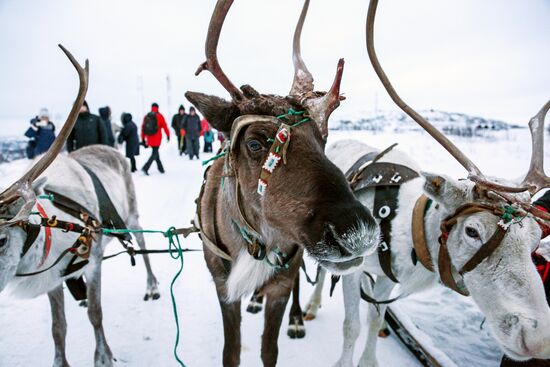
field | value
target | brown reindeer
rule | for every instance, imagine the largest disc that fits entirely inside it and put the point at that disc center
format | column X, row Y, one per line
column 273, row 194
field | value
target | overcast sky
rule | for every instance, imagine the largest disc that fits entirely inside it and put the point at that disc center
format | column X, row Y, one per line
column 489, row 58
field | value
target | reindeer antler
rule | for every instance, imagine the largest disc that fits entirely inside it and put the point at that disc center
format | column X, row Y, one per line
column 474, row 173
column 211, row 64
column 22, row 187
column 303, row 80
column 536, row 179
column 319, row 104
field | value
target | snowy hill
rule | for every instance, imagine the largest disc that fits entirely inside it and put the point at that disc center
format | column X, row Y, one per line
column 451, row 123
column 12, row 149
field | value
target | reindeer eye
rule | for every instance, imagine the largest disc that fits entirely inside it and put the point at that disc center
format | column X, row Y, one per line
column 472, row 232
column 254, row 145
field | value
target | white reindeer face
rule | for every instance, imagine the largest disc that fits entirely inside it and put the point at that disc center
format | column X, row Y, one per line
column 506, row 285
column 11, row 245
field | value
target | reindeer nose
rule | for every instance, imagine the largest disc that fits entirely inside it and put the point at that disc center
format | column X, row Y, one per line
column 331, row 237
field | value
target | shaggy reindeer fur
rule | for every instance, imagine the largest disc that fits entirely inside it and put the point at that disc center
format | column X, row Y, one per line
column 505, row 286
column 66, row 176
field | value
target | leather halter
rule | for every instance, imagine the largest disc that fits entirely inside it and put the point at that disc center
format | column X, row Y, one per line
column 445, row 266
column 277, row 152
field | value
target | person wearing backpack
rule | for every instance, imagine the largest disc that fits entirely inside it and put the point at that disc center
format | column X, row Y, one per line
column 151, row 136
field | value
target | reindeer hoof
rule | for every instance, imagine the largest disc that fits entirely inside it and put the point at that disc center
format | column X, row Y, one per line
column 83, row 303
column 296, row 329
column 309, row 316
column 384, row 333
column 254, row 307
column 152, row 295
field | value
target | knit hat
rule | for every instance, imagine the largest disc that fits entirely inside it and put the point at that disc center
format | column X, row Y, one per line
column 155, row 105
column 181, row 108
column 44, row 113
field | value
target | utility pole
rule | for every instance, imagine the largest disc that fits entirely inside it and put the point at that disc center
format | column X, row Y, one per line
column 168, row 93
column 141, row 94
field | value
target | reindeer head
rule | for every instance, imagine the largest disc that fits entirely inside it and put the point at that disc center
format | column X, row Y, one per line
column 18, row 201
column 275, row 155
column 489, row 233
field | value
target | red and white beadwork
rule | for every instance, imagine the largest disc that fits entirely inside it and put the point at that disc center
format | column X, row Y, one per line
column 271, row 162
column 282, row 135
column 262, row 186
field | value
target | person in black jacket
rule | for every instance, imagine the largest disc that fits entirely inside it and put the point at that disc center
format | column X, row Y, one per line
column 177, row 123
column 88, row 130
column 192, row 127
column 105, row 116
column 129, row 134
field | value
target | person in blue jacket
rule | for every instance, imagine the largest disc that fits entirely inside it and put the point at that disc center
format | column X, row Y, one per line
column 41, row 134
column 129, row 134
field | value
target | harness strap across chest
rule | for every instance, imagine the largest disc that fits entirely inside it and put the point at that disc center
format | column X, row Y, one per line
column 386, row 179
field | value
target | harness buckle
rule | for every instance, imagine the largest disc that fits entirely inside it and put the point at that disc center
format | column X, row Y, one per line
column 256, row 250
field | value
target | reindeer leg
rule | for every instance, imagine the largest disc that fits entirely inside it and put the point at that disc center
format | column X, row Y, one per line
column 296, row 329
column 59, row 326
column 352, row 325
column 151, row 291
column 103, row 356
column 277, row 297
column 231, row 315
column 381, row 291
column 256, row 303
column 315, row 301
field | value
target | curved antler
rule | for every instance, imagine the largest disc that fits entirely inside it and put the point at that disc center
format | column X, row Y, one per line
column 474, row 172
column 22, row 187
column 303, row 80
column 322, row 107
column 536, row 179
column 211, row 64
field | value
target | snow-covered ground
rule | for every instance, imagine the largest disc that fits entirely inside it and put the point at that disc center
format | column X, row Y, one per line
column 142, row 333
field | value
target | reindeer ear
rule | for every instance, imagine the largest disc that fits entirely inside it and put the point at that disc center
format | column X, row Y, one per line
column 444, row 190
column 219, row 112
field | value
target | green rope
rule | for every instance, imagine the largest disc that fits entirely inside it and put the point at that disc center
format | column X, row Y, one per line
column 205, row 162
column 292, row 112
column 170, row 234
column 301, row 122
column 46, row 196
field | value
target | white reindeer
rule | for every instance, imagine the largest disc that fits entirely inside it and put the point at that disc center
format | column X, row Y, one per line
column 464, row 228
column 66, row 176
column 505, row 286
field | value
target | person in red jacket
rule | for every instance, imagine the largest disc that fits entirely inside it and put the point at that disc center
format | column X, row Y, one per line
column 151, row 136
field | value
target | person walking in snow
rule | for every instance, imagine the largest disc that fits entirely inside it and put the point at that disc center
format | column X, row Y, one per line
column 208, row 139
column 192, row 127
column 105, row 116
column 129, row 135
column 151, row 136
column 41, row 134
column 177, row 121
column 88, row 130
